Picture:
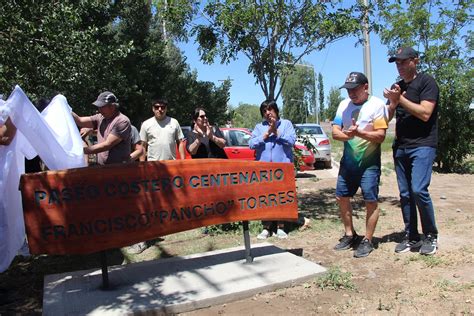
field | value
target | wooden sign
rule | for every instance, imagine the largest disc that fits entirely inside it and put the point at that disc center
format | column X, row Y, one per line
column 85, row 210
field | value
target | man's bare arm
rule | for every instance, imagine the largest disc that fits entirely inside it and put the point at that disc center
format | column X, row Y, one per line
column 109, row 142
column 181, row 149
column 7, row 132
column 82, row 121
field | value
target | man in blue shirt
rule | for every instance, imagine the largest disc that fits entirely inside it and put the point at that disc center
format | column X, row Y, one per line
column 273, row 140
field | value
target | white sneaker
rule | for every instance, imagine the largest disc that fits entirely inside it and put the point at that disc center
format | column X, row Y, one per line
column 137, row 248
column 264, row 234
column 281, row 234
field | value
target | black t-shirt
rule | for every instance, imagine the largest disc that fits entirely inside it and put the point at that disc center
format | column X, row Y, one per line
column 411, row 131
column 207, row 148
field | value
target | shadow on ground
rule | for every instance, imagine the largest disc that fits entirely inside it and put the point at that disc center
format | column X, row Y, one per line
column 21, row 286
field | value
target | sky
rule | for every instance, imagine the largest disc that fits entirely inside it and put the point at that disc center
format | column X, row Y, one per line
column 334, row 62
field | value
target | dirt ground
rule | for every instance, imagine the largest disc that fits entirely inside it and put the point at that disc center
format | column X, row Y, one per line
column 384, row 283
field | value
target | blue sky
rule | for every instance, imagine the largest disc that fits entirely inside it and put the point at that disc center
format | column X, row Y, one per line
column 335, row 62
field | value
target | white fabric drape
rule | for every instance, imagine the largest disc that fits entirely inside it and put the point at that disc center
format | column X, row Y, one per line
column 53, row 136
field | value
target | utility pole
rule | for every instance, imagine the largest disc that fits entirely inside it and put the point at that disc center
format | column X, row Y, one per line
column 367, row 58
column 163, row 24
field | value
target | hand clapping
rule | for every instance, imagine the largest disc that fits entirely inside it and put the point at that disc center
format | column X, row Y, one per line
column 393, row 94
column 352, row 130
column 272, row 129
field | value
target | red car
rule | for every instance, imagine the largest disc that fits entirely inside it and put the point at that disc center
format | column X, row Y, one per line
column 237, row 147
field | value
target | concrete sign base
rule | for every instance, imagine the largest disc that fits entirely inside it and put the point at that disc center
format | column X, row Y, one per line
column 176, row 285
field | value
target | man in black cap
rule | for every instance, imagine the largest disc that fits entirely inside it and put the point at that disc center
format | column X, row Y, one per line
column 361, row 123
column 113, row 130
column 414, row 99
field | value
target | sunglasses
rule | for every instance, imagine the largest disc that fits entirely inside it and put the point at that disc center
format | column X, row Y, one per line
column 159, row 107
column 202, row 116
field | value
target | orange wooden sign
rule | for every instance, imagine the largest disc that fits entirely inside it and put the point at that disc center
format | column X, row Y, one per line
column 85, row 210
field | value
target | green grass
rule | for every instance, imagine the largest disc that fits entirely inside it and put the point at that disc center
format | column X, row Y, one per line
column 335, row 279
column 450, row 286
column 387, row 143
column 429, row 261
column 324, row 225
column 389, row 165
column 187, row 243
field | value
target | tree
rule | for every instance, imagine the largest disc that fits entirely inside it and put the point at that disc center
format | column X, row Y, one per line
column 273, row 35
column 440, row 30
column 82, row 48
column 321, row 97
column 246, row 115
column 58, row 46
column 298, row 94
column 334, row 99
column 173, row 16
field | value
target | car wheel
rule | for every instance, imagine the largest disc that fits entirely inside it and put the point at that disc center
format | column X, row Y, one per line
column 328, row 164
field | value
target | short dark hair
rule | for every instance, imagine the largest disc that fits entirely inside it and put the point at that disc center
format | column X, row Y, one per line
column 196, row 111
column 42, row 103
column 269, row 104
column 159, row 101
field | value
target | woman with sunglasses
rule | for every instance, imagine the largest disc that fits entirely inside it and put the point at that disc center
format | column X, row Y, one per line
column 205, row 141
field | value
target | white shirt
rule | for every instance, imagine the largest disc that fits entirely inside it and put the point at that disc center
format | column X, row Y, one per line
column 161, row 137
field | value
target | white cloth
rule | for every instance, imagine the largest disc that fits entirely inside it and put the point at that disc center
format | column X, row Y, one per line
column 52, row 135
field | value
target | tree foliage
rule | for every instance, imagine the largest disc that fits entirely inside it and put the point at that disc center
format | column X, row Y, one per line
column 82, row 48
column 272, row 34
column 334, row 99
column 246, row 115
column 174, row 16
column 322, row 113
column 56, row 46
column 441, row 31
column 299, row 95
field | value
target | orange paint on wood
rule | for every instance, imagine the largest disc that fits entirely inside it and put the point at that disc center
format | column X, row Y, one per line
column 85, row 210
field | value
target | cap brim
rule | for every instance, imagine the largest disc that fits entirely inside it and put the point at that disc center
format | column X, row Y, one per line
column 401, row 56
column 350, row 85
column 99, row 104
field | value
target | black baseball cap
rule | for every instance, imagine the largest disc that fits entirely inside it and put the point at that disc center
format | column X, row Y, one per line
column 354, row 80
column 404, row 53
column 105, row 98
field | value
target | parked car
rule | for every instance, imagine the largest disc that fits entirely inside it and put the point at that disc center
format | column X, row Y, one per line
column 237, row 147
column 318, row 138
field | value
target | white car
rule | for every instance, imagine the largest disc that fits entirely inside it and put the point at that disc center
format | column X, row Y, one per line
column 318, row 138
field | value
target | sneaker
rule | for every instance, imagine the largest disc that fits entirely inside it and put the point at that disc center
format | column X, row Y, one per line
column 364, row 248
column 137, row 248
column 346, row 242
column 281, row 234
column 407, row 245
column 306, row 225
column 264, row 234
column 430, row 245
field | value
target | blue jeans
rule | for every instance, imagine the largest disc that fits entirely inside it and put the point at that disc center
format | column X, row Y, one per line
column 413, row 167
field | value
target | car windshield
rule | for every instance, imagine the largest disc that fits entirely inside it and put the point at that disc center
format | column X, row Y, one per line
column 237, row 138
column 309, row 130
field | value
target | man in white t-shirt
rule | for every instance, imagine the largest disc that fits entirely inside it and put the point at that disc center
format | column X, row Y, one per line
column 161, row 133
column 361, row 123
